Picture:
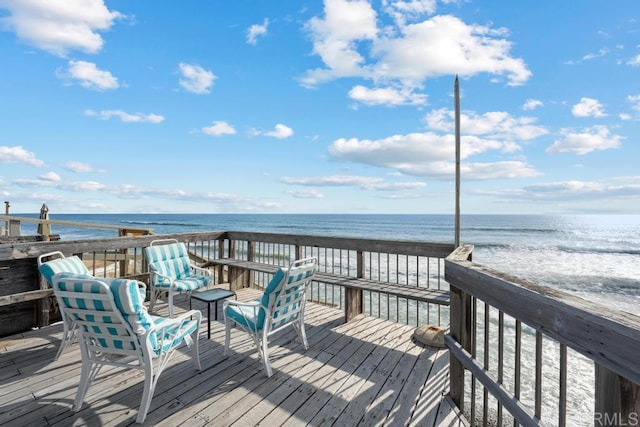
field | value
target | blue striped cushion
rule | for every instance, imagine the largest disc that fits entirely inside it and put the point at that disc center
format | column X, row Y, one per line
column 127, row 298
column 71, row 264
column 189, row 284
column 245, row 315
column 170, row 260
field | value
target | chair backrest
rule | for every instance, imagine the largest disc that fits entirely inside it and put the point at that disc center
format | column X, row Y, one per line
column 171, row 259
column 285, row 294
column 110, row 312
column 49, row 268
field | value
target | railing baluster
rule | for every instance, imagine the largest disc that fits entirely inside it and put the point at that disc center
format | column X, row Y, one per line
column 517, row 363
column 485, row 392
column 474, row 326
column 538, row 377
column 500, row 359
column 562, row 416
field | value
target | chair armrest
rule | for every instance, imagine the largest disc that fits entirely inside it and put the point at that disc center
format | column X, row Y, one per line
column 200, row 271
column 169, row 279
column 170, row 321
column 250, row 325
column 167, row 330
column 243, row 303
column 142, row 286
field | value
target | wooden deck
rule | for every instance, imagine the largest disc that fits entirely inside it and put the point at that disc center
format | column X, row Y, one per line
column 367, row 372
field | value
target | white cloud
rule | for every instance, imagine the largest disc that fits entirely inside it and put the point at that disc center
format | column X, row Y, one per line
column 18, row 154
column 219, row 128
column 59, row 26
column 126, row 117
column 429, row 155
column 602, row 52
column 532, row 104
column 89, row 76
column 305, row 194
column 350, row 44
column 280, row 132
column 91, row 186
column 257, row 30
column 335, row 37
column 386, row 96
column 225, row 202
column 595, row 138
column 588, row 107
column 583, row 190
column 362, row 182
column 635, row 61
column 50, row 176
column 79, row 167
column 493, row 124
column 634, row 100
column 196, row 79
column 406, row 11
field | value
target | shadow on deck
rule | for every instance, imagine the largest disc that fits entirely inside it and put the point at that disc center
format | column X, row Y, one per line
column 366, row 372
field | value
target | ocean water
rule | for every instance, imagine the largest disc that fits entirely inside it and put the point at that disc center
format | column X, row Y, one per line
column 594, row 256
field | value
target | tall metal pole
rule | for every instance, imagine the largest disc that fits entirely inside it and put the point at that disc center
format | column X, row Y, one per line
column 457, row 219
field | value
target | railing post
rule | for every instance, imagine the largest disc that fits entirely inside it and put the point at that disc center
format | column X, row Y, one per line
column 460, row 330
column 240, row 277
column 353, row 300
column 251, row 256
column 44, row 304
column 220, row 268
column 617, row 400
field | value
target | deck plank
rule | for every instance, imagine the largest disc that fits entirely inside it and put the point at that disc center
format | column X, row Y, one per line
column 364, row 372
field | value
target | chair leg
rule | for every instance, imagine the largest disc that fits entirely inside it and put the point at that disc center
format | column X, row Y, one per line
column 195, row 353
column 302, row 335
column 147, row 394
column 86, row 376
column 227, row 334
column 152, row 298
column 170, row 302
column 68, row 336
column 265, row 357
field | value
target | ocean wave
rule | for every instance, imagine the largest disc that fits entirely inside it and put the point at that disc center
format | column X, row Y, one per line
column 594, row 250
column 598, row 285
column 516, row 230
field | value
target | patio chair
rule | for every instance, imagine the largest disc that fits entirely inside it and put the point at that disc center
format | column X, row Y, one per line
column 115, row 329
column 282, row 304
column 171, row 271
column 56, row 262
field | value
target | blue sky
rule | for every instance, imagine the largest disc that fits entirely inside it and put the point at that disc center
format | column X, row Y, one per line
column 320, row 107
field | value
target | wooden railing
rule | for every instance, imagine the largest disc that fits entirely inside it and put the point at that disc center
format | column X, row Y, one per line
column 518, row 350
column 532, row 354
column 401, row 263
column 411, row 264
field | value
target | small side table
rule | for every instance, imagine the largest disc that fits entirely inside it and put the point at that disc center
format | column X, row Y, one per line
column 212, row 296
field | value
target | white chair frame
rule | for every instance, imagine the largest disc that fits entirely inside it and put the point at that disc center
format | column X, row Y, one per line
column 289, row 303
column 68, row 325
column 142, row 356
column 156, row 292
